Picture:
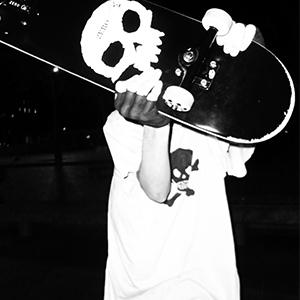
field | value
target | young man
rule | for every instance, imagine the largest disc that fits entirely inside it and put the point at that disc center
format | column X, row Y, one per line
column 169, row 228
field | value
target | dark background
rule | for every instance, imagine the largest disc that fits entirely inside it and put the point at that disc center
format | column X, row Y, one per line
column 55, row 172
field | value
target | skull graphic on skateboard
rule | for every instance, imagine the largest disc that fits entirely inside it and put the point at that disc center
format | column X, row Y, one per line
column 245, row 99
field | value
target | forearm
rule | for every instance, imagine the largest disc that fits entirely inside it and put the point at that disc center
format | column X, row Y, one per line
column 154, row 173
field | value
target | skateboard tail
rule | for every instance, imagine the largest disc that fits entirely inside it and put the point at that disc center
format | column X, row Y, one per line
column 56, row 66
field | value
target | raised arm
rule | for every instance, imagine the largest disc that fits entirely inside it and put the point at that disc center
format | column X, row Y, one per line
column 135, row 101
column 154, row 174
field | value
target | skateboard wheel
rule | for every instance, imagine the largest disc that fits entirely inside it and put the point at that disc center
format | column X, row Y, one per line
column 178, row 98
column 218, row 19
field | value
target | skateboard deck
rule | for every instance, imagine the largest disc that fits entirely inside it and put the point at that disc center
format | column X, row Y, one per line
column 247, row 99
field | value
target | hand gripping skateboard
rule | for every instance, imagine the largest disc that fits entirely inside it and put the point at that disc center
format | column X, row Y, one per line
column 247, row 99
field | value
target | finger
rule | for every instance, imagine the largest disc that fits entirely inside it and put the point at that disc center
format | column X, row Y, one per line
column 140, row 80
column 224, row 39
column 136, row 109
column 221, row 39
column 121, row 86
column 118, row 100
column 238, row 38
column 156, row 91
column 124, row 102
column 228, row 40
column 151, row 116
column 250, row 31
column 148, row 85
column 148, row 108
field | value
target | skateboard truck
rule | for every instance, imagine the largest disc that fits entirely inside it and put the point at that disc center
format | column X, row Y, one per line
column 207, row 76
column 191, row 62
column 192, row 65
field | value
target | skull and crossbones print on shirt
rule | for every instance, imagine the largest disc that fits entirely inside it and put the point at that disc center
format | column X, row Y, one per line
column 182, row 166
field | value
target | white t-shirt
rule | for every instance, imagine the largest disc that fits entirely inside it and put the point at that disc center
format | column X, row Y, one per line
column 182, row 249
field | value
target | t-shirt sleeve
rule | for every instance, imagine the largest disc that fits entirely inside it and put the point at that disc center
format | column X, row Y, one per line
column 236, row 158
column 124, row 140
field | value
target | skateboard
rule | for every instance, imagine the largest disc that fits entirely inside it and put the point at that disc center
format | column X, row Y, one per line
column 246, row 99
